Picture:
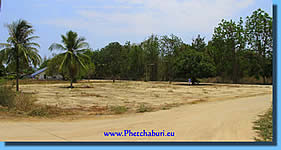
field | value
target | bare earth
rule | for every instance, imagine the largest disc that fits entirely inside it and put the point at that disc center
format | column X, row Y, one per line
column 226, row 114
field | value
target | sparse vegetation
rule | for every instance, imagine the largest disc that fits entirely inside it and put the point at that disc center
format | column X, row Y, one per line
column 24, row 104
column 144, row 108
column 7, row 96
column 263, row 127
column 118, row 109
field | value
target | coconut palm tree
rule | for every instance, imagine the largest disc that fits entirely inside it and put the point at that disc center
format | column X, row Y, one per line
column 19, row 49
column 74, row 58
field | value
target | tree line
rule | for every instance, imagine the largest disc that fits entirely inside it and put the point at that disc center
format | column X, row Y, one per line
column 236, row 50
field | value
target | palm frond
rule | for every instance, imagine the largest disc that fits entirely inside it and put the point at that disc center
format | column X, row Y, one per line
column 80, row 62
column 67, row 56
column 56, row 46
column 32, row 38
column 5, row 45
column 32, row 44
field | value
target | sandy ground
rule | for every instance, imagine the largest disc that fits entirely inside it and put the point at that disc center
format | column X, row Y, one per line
column 131, row 94
column 226, row 120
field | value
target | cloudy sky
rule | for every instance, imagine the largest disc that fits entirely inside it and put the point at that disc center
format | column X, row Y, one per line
column 104, row 21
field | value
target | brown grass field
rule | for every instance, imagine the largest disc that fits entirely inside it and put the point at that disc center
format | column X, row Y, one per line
column 96, row 97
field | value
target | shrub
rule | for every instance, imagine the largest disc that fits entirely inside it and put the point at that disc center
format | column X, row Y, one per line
column 118, row 109
column 144, row 108
column 24, row 102
column 7, row 96
column 39, row 111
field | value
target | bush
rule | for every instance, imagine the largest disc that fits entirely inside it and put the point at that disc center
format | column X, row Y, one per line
column 7, row 96
column 24, row 102
column 144, row 108
column 40, row 111
column 118, row 109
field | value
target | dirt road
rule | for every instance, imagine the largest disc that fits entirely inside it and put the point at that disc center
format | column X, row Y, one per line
column 226, row 120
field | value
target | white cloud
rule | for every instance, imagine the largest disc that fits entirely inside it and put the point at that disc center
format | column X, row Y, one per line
column 154, row 16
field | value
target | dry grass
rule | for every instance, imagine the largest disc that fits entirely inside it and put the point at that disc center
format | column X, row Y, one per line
column 31, row 81
column 104, row 97
column 144, row 108
column 24, row 104
column 118, row 109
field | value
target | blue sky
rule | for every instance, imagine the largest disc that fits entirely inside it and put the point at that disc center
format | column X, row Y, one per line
column 105, row 21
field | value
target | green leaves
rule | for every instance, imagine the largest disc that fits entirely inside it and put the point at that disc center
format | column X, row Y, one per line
column 72, row 61
column 231, row 40
column 259, row 37
column 194, row 64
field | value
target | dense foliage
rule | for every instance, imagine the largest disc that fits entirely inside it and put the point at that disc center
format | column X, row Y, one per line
column 237, row 50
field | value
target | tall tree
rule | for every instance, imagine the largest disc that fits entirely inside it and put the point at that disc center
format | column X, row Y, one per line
column 259, row 35
column 20, row 48
column 74, row 58
column 170, row 46
column 151, row 49
column 229, row 40
column 136, row 62
column 112, row 60
column 193, row 64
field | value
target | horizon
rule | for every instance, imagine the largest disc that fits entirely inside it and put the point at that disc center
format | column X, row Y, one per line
column 123, row 20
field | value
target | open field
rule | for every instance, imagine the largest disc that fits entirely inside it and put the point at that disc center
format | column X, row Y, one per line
column 100, row 96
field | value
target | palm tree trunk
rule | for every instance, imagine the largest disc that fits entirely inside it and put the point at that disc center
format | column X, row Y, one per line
column 17, row 70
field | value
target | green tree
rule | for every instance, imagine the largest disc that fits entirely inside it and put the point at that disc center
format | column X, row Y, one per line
column 90, row 71
column 170, row 49
column 74, row 58
column 199, row 44
column 151, row 48
column 194, row 64
column 228, row 42
column 111, row 59
column 259, row 36
column 124, row 58
column 136, row 62
column 44, row 63
column 53, row 67
column 20, row 50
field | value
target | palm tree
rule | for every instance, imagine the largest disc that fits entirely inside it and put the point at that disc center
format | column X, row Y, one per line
column 73, row 57
column 19, row 49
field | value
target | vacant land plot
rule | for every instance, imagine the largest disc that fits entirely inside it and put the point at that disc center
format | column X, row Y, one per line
column 100, row 96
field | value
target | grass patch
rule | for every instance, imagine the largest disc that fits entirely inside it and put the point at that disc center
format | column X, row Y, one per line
column 84, row 94
column 144, row 108
column 263, row 127
column 169, row 106
column 118, row 109
column 30, row 81
column 197, row 101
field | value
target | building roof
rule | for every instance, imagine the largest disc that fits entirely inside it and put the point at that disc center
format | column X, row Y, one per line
column 38, row 72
